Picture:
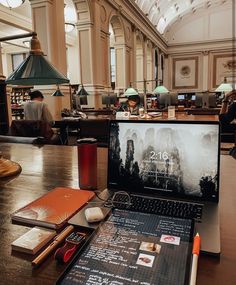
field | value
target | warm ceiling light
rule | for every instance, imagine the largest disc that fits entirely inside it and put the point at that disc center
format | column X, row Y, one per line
column 12, row 3
column 69, row 27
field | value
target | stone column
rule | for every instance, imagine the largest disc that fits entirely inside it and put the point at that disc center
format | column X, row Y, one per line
column 160, row 75
column 145, row 49
column 48, row 23
column 91, row 42
column 105, row 41
column 133, row 73
column 166, row 82
column 140, row 62
column 120, row 52
column 128, row 66
column 150, row 66
column 205, row 71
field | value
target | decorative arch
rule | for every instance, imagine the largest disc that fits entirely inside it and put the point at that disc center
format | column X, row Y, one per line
column 117, row 43
column 118, row 29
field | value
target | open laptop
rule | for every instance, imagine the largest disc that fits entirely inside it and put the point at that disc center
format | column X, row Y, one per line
column 173, row 160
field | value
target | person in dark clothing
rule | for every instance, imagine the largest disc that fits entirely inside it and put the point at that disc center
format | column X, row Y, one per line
column 228, row 112
column 132, row 105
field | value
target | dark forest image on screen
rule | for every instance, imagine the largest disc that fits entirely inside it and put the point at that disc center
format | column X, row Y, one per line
column 179, row 159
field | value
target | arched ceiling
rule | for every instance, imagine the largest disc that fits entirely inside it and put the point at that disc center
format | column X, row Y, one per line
column 163, row 13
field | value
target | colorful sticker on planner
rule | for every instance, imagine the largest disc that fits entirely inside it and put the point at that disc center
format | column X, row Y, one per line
column 170, row 239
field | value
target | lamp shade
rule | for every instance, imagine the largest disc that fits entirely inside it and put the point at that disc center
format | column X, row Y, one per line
column 82, row 92
column 224, row 87
column 160, row 90
column 57, row 93
column 130, row 92
column 36, row 69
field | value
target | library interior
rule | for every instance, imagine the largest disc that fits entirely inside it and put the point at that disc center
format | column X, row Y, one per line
column 118, row 142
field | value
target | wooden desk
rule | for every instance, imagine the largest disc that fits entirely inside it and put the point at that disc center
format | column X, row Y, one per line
column 185, row 117
column 179, row 116
column 51, row 166
column 203, row 111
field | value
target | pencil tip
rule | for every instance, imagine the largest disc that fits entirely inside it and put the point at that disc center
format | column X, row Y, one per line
column 197, row 234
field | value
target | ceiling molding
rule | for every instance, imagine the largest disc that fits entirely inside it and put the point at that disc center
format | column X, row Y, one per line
column 14, row 19
column 216, row 45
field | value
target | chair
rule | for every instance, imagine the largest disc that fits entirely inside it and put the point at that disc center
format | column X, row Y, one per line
column 228, row 137
column 34, row 129
column 228, row 133
column 95, row 128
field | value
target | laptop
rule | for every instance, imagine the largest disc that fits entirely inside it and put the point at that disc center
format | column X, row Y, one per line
column 177, row 161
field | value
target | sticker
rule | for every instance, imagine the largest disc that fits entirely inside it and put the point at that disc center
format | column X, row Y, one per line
column 170, row 239
column 150, row 246
column 145, row 260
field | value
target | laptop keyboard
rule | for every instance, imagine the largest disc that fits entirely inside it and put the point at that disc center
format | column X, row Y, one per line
column 164, row 207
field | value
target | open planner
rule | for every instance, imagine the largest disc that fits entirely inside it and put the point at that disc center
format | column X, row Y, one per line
column 135, row 248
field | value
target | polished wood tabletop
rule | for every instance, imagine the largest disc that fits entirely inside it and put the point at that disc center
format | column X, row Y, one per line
column 179, row 115
column 164, row 116
column 49, row 166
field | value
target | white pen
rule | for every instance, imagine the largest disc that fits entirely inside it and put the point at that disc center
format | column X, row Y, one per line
column 195, row 252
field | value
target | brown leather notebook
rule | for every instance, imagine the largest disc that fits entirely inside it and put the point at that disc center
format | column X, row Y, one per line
column 53, row 209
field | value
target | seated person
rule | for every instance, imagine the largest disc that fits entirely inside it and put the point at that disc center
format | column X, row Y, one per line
column 228, row 112
column 132, row 105
column 36, row 109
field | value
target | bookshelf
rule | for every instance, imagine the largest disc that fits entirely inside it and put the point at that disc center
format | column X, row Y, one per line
column 20, row 94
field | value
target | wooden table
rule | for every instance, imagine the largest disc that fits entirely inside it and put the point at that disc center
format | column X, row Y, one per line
column 44, row 168
column 164, row 116
column 185, row 117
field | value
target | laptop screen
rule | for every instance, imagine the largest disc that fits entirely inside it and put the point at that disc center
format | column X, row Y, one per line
column 166, row 158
